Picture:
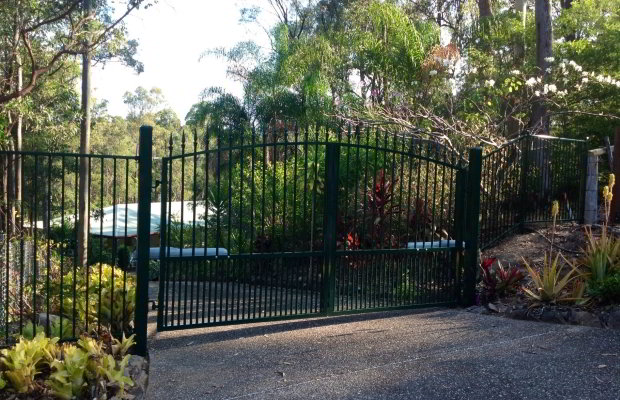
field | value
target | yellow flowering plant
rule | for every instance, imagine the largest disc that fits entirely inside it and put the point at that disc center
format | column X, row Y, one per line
column 601, row 256
column 554, row 284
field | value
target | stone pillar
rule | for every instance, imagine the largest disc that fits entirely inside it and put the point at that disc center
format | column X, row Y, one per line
column 590, row 214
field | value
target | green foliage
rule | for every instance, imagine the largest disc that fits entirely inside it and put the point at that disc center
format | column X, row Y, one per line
column 405, row 288
column 29, row 331
column 121, row 347
column 24, row 361
column 92, row 347
column 67, row 371
column 68, row 379
column 601, row 256
column 115, row 372
column 551, row 285
column 154, row 270
column 386, row 43
column 117, row 305
column 100, row 294
column 606, row 290
column 142, row 101
column 218, row 109
column 123, row 257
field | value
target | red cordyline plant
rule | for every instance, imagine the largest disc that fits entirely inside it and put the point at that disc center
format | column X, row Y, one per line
column 498, row 281
column 381, row 206
column 421, row 222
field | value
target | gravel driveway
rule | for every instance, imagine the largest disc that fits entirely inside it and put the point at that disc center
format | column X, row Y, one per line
column 431, row 354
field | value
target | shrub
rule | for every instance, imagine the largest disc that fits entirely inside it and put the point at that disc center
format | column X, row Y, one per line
column 154, row 270
column 498, row 281
column 24, row 361
column 68, row 379
column 104, row 296
column 30, row 330
column 606, row 290
column 552, row 284
column 117, row 305
column 123, row 257
column 66, row 371
column 601, row 255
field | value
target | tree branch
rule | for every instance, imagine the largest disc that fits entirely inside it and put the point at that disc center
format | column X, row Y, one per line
column 54, row 19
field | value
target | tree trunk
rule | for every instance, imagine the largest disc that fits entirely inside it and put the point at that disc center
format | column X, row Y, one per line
column 484, row 8
column 384, row 92
column 540, row 122
column 439, row 17
column 10, row 207
column 5, row 192
column 566, row 4
column 17, row 159
column 83, row 218
column 513, row 124
column 544, row 41
column 519, row 45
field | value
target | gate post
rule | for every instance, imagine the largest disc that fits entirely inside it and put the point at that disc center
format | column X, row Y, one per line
column 145, row 184
column 472, row 226
column 163, row 245
column 460, row 233
column 332, row 158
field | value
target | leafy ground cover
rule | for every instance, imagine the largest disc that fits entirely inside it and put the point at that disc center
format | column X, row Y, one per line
column 43, row 368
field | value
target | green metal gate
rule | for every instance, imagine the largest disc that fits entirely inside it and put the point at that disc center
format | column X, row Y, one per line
column 521, row 179
column 290, row 223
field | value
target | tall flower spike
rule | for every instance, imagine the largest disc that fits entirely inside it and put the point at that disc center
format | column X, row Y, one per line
column 555, row 208
column 612, row 181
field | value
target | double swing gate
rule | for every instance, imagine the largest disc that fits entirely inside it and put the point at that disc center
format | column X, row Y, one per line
column 257, row 226
column 294, row 222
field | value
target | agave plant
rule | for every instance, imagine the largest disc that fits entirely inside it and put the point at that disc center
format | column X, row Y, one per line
column 552, row 283
column 601, row 255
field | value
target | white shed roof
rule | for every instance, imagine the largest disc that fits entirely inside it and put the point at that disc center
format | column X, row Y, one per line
column 121, row 220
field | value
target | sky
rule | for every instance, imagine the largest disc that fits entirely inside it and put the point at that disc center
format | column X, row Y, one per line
column 172, row 35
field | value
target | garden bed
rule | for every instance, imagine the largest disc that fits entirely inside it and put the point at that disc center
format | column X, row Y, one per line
column 531, row 246
column 607, row 317
column 92, row 368
column 534, row 241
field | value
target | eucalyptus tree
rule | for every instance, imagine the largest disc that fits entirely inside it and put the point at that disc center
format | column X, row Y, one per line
column 40, row 39
column 143, row 101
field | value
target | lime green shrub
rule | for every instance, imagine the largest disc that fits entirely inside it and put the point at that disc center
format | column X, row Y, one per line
column 22, row 363
column 66, row 371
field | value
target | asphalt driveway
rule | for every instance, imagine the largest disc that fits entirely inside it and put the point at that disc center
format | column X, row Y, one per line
column 432, row 354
